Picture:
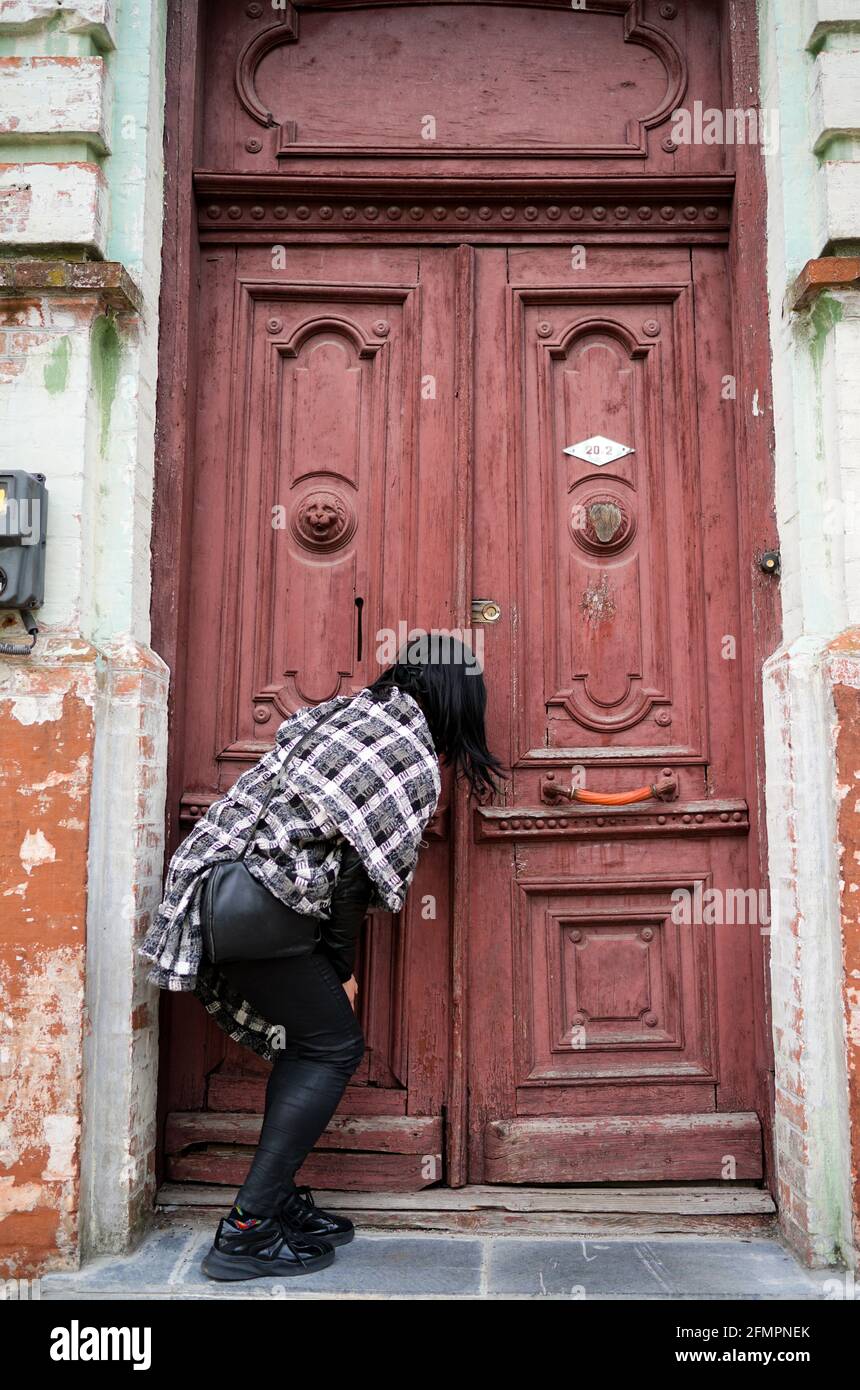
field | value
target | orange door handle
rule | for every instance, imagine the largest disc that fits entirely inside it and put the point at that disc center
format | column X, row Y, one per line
column 664, row 789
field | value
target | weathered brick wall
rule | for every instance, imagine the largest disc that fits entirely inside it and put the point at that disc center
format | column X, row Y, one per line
column 844, row 667
column 810, row 1130
column 83, row 719
column 46, row 761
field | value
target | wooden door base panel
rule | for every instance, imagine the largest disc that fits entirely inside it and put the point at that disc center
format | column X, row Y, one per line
column 400, row 1153
column 639, row 1212
column 416, row 1134
column 247, row 1094
column 624, row 1148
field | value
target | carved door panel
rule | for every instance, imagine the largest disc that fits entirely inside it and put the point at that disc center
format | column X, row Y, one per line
column 323, row 517
column 627, row 1052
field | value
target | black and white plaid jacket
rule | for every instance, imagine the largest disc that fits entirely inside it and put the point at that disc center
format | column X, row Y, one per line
column 371, row 778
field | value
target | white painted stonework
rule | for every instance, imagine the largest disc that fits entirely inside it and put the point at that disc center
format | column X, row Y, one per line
column 54, row 205
column 94, row 18
column 55, row 98
column 835, row 98
column 841, row 199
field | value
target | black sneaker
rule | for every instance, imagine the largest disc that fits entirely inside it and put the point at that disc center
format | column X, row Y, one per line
column 266, row 1249
column 301, row 1214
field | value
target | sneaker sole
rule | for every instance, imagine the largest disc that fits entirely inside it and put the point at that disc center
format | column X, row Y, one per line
column 227, row 1268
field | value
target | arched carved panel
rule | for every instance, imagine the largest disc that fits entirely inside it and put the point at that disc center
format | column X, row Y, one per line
column 611, row 526
column 314, row 448
column 597, row 377
column 324, row 379
column 418, row 78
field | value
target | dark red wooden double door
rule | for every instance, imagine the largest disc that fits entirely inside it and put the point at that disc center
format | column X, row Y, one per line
column 398, row 394
column 325, row 509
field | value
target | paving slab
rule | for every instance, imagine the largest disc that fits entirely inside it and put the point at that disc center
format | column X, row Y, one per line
column 387, row 1265
column 151, row 1265
column 166, row 1265
column 688, row 1267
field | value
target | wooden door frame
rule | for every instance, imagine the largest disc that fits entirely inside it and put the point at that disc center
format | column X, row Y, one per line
column 171, row 560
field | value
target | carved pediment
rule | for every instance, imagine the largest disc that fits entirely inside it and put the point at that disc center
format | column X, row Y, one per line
column 488, row 78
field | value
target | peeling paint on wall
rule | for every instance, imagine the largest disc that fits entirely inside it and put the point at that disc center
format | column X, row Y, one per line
column 72, row 851
column 44, row 834
column 35, row 850
column 845, row 674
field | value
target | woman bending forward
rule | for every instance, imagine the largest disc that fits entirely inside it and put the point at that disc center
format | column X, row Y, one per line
column 341, row 835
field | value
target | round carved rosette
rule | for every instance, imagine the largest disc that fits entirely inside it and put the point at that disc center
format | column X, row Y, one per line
column 601, row 523
column 322, row 520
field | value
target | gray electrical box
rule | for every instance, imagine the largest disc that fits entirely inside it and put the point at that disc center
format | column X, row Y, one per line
column 23, row 527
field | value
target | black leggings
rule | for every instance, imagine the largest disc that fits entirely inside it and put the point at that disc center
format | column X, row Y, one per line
column 323, row 1046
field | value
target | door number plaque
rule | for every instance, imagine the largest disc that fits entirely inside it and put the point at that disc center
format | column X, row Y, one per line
column 599, row 450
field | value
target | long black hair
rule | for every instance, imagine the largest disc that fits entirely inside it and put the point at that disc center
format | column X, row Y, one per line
column 446, row 679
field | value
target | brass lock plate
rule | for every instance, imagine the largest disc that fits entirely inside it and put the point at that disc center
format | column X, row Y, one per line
column 485, row 610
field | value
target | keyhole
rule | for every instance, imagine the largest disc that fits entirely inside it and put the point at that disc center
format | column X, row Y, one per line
column 359, row 604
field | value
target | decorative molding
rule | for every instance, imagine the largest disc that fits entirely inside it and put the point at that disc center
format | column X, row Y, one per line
column 334, row 323
column 610, row 327
column 637, row 30
column 323, row 519
column 826, row 273
column 239, row 205
column 107, row 281
column 558, row 920
column 439, row 824
column 193, row 805
column 595, row 823
column 286, row 30
column 625, row 756
column 356, row 294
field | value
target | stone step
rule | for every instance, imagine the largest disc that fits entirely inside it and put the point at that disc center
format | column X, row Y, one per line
column 714, row 1209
